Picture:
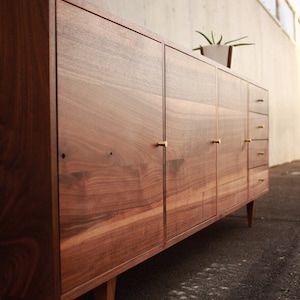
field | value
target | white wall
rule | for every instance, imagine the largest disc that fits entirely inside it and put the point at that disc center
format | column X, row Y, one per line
column 274, row 60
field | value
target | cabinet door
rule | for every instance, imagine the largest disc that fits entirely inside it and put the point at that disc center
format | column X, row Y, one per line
column 110, row 170
column 191, row 155
column 232, row 130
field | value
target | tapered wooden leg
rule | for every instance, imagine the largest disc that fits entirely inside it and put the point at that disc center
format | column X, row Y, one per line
column 106, row 291
column 250, row 213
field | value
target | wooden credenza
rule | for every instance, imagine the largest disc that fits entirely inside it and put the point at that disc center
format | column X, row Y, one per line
column 115, row 144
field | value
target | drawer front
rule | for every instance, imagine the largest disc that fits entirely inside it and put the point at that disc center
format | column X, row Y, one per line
column 258, row 153
column 258, row 182
column 258, row 100
column 258, row 126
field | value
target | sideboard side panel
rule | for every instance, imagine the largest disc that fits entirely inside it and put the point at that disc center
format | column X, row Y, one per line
column 29, row 254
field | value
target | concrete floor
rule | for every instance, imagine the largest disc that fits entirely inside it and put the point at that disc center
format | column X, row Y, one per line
column 228, row 260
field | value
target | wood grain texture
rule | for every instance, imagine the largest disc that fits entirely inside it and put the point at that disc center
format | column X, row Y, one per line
column 232, row 152
column 232, row 92
column 110, row 119
column 190, row 128
column 258, row 99
column 112, row 111
column 258, row 182
column 106, row 291
column 258, row 126
column 232, row 130
column 232, row 193
column 28, row 193
column 258, row 153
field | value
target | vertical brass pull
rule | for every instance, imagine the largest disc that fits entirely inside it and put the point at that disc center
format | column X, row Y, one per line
column 260, row 100
column 163, row 144
column 248, row 140
column 261, row 126
column 217, row 141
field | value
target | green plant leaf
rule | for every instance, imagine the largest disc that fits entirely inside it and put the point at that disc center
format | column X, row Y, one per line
column 242, row 44
column 213, row 42
column 208, row 40
column 213, row 38
column 235, row 40
column 197, row 48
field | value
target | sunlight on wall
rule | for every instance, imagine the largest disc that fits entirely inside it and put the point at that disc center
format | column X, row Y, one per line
column 287, row 12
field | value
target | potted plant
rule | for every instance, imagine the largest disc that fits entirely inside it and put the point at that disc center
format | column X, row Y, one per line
column 217, row 51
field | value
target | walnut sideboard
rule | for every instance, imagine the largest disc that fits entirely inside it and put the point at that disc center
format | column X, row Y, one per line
column 115, row 145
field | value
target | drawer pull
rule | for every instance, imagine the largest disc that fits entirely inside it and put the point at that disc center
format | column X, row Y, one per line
column 248, row 140
column 261, row 126
column 217, row 141
column 163, row 144
column 261, row 153
column 261, row 180
column 260, row 100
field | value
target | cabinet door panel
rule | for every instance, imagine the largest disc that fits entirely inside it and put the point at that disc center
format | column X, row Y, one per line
column 232, row 193
column 190, row 128
column 109, row 120
column 232, row 130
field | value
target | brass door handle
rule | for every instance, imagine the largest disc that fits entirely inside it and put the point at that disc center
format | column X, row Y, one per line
column 260, row 100
column 248, row 140
column 163, row 143
column 261, row 153
column 261, row 126
column 261, row 180
column 217, row 141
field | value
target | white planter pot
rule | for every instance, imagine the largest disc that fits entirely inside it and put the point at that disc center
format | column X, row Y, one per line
column 219, row 53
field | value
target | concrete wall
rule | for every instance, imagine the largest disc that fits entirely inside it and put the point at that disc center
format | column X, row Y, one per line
column 274, row 60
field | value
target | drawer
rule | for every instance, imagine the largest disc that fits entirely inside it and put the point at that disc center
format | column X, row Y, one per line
column 258, row 126
column 258, row 182
column 258, row 153
column 258, row 100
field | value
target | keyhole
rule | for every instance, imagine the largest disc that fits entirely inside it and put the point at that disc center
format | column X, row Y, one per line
column 63, row 155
